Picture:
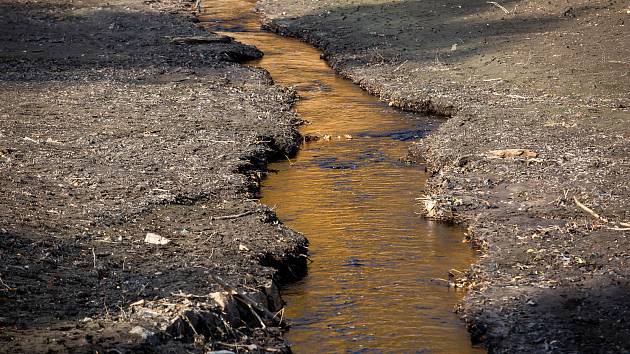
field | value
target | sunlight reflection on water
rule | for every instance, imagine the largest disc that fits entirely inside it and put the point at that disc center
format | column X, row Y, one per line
column 372, row 286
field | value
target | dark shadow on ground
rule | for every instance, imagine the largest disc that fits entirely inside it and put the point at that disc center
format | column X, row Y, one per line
column 43, row 42
column 429, row 51
column 417, row 30
column 586, row 320
column 93, row 92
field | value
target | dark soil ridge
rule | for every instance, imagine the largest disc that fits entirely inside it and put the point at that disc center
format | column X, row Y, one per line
column 394, row 99
column 552, row 276
column 109, row 132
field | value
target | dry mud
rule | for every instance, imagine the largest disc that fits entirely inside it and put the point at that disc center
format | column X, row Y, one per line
column 109, row 131
column 550, row 78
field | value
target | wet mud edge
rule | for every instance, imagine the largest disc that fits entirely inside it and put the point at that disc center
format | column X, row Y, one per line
column 156, row 261
column 551, row 277
column 423, row 106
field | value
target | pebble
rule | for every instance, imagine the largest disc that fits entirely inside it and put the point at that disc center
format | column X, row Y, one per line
column 144, row 333
column 156, row 239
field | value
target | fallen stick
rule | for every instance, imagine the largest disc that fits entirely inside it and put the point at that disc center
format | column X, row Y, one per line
column 6, row 286
column 260, row 320
column 187, row 320
column 589, row 210
column 401, row 65
column 499, row 6
column 626, row 226
column 188, row 296
column 252, row 304
column 235, row 216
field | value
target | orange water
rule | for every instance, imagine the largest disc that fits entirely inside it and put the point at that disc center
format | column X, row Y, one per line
column 372, row 286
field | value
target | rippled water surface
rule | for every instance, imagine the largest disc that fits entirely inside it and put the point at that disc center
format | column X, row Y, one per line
column 372, row 285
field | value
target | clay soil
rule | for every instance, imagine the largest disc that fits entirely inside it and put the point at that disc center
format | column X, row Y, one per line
column 550, row 78
column 109, row 130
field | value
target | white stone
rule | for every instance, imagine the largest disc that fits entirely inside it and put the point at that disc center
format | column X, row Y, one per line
column 156, row 239
column 141, row 332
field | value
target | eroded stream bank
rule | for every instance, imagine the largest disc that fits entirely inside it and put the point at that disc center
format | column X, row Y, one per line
column 112, row 131
column 375, row 280
column 549, row 79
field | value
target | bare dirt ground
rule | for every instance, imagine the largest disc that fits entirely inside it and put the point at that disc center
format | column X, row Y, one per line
column 550, row 78
column 109, row 131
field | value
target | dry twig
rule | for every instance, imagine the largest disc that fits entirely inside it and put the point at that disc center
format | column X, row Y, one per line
column 187, row 320
column 288, row 159
column 499, row 6
column 6, row 286
column 188, row 296
column 235, row 216
column 625, row 225
column 401, row 65
column 244, row 298
column 589, row 210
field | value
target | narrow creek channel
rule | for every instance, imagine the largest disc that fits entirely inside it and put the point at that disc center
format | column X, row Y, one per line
column 372, row 285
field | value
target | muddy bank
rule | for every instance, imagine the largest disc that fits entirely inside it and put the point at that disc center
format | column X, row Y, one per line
column 548, row 79
column 115, row 135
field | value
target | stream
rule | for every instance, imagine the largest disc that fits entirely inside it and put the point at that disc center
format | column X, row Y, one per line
column 373, row 285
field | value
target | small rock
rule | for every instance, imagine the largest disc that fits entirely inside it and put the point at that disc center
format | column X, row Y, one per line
column 156, row 239
column 144, row 334
column 462, row 161
column 242, row 247
column 311, row 137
